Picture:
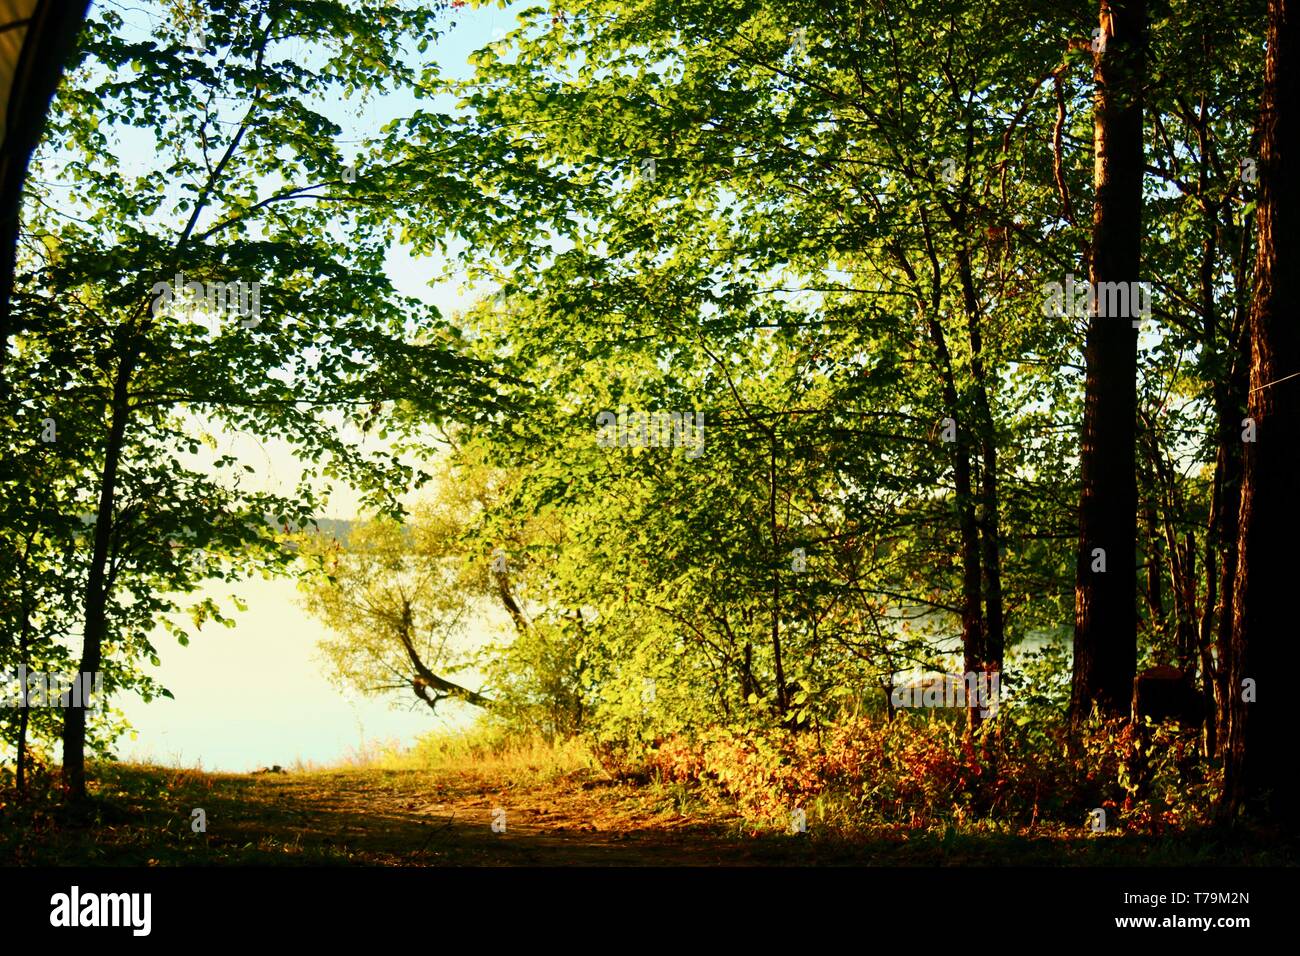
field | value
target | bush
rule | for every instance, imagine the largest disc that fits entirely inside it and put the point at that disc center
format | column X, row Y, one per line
column 926, row 770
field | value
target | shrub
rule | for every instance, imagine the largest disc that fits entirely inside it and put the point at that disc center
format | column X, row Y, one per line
column 926, row 770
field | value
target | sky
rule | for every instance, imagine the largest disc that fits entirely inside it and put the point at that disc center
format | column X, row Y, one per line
column 257, row 695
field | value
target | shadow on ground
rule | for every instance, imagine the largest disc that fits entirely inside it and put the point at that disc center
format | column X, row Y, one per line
column 146, row 816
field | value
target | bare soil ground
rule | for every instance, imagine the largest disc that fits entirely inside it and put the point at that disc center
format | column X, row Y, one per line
column 145, row 816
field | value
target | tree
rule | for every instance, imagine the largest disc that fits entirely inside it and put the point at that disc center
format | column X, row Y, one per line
column 1259, row 754
column 801, row 219
column 1105, row 637
column 392, row 594
column 245, row 190
column 399, row 597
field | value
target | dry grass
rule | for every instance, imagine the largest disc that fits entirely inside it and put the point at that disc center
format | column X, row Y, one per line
column 435, row 804
column 490, row 753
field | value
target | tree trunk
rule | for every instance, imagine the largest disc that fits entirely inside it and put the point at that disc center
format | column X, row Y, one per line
column 95, row 622
column 1232, row 448
column 1155, row 586
column 990, row 530
column 20, row 766
column 24, row 714
column 426, row 684
column 1105, row 636
column 782, row 698
column 972, row 621
column 51, row 34
column 1221, row 531
column 1256, row 779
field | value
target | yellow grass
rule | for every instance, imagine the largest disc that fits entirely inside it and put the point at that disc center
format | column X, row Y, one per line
column 484, row 748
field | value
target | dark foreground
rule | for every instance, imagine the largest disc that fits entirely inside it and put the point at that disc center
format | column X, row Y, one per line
column 146, row 816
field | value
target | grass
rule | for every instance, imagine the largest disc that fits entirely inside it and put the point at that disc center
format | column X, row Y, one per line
column 435, row 805
column 490, row 753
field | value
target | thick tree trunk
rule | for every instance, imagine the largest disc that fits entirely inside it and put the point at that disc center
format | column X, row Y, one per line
column 1257, row 780
column 1105, row 637
column 51, row 34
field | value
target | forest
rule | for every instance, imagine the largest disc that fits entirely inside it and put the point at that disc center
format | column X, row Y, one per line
column 871, row 422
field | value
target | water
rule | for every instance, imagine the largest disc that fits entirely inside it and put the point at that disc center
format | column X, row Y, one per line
column 257, row 695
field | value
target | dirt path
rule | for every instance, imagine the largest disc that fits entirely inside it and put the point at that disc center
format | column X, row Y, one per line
column 423, row 818
column 150, row 816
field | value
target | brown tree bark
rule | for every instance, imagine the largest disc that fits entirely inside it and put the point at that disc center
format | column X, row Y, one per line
column 1105, row 637
column 1257, row 759
column 1232, row 403
column 1230, row 392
